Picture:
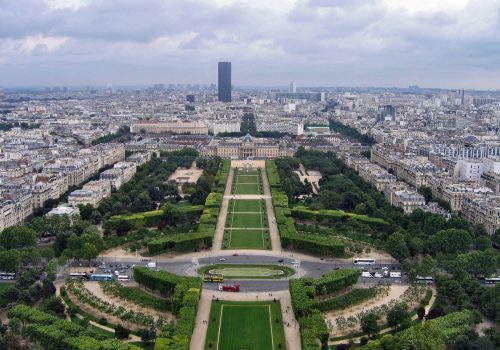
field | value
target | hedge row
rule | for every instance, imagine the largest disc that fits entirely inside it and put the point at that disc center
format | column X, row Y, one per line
column 53, row 333
column 202, row 238
column 222, row 175
column 305, row 307
column 153, row 218
column 330, row 217
column 272, row 174
column 304, row 242
column 353, row 297
column 185, row 293
column 335, row 281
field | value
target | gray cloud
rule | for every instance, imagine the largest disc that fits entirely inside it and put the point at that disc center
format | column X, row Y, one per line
column 335, row 42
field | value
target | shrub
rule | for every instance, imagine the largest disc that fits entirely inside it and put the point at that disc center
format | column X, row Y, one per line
column 121, row 332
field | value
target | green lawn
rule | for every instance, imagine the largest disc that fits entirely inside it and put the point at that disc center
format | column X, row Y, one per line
column 246, row 239
column 248, row 271
column 247, row 188
column 247, row 206
column 247, row 182
column 245, row 325
column 246, row 220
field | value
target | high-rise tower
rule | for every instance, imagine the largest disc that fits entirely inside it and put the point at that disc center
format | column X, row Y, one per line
column 224, row 81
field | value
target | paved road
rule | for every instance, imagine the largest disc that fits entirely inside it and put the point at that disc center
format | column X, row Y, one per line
column 306, row 269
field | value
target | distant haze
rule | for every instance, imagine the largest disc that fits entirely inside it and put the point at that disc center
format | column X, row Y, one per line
column 438, row 43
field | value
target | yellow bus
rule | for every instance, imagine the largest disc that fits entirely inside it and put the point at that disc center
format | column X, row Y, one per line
column 216, row 277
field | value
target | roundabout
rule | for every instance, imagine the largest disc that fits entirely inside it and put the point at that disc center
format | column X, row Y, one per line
column 248, row 271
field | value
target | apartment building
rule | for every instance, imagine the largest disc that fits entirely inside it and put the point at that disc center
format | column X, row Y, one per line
column 121, row 173
column 91, row 193
column 483, row 208
column 172, row 127
column 15, row 207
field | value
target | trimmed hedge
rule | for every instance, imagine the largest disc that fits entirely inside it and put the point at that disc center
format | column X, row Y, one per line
column 202, row 238
column 330, row 217
column 305, row 242
column 306, row 307
column 353, row 297
column 153, row 218
column 336, row 280
column 185, row 293
column 272, row 174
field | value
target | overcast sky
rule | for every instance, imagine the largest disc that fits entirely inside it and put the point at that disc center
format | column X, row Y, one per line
column 432, row 43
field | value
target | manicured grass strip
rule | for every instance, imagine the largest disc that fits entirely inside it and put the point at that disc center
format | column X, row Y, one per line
column 353, row 297
column 287, row 271
column 246, row 239
column 247, row 220
column 245, row 325
column 247, row 188
column 247, row 206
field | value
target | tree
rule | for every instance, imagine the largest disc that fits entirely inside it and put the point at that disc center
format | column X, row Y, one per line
column 122, row 227
column 426, row 192
column 95, row 217
column 369, row 324
column 85, row 211
column 10, row 341
column 121, row 332
column 88, row 252
column 421, row 312
column 147, row 335
column 10, row 260
column 397, row 315
column 54, row 305
column 396, row 245
column 17, row 237
column 496, row 237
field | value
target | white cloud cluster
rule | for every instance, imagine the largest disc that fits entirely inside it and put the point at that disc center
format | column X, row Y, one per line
column 449, row 43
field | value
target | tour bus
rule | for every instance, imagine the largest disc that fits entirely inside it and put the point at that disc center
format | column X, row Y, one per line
column 364, row 261
column 79, row 276
column 7, row 276
column 123, row 278
column 491, row 280
column 426, row 279
column 101, row 277
column 213, row 277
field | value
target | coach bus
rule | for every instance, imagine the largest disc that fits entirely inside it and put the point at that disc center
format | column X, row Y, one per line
column 364, row 261
column 213, row 277
column 79, row 276
column 491, row 280
column 7, row 276
column 425, row 279
column 101, row 277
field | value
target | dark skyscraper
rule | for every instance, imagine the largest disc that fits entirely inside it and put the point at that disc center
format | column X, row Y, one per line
column 224, row 81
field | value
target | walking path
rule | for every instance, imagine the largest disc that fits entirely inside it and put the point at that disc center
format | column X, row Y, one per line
column 221, row 220
column 292, row 333
column 271, row 219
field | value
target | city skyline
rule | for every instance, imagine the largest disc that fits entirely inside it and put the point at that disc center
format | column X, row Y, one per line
column 386, row 43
